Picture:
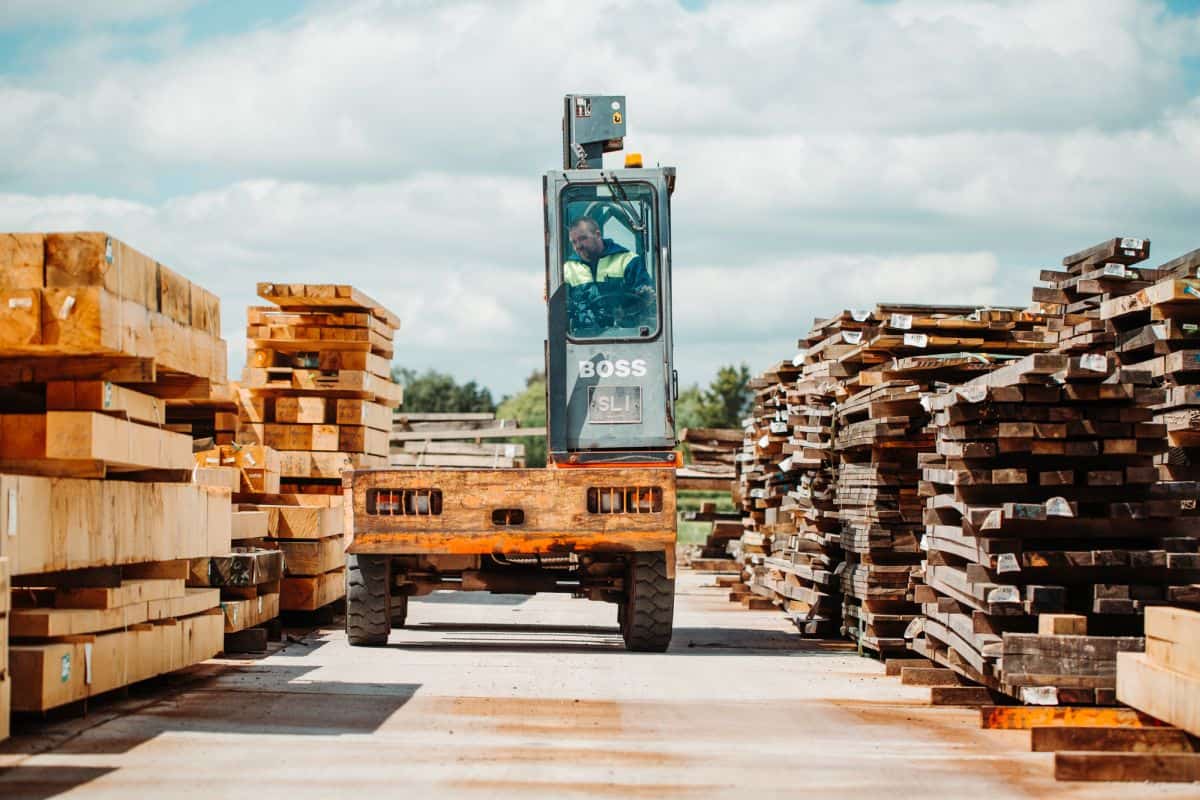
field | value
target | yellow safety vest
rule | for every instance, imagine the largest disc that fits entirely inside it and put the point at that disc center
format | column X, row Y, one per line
column 577, row 273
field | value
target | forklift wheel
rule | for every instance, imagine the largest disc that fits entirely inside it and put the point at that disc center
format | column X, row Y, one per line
column 368, row 602
column 649, row 604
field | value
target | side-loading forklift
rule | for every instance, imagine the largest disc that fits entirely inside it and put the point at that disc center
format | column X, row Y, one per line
column 599, row 522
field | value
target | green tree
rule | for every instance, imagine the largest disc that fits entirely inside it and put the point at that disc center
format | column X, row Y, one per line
column 727, row 398
column 529, row 409
column 433, row 391
column 723, row 404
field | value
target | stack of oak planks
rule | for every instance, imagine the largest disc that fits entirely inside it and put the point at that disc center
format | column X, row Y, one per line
column 1041, row 501
column 766, row 476
column 249, row 581
column 456, row 439
column 100, row 513
column 1157, row 330
column 890, row 359
column 1164, row 681
column 316, row 393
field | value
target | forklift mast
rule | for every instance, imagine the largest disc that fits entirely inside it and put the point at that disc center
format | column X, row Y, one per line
column 611, row 386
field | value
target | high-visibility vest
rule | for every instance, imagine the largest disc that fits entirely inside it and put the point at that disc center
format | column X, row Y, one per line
column 577, row 273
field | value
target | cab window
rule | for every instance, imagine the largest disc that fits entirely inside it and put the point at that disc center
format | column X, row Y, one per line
column 608, row 263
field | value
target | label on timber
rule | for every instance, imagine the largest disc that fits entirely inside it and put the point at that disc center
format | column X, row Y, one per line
column 20, row 302
column 779, row 427
column 852, row 337
column 1007, row 562
column 1159, row 331
column 924, row 543
column 1039, row 695
column 901, row 321
column 1094, row 362
column 764, row 441
column 64, row 668
column 1004, row 594
column 785, row 465
column 858, row 315
column 11, row 516
column 798, row 360
column 1130, row 243
column 972, row 394
column 1114, row 271
column 65, row 310
column 1058, row 507
column 260, row 609
column 87, row 663
column 916, row 340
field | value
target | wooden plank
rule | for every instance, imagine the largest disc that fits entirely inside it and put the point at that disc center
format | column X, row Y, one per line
column 84, row 435
column 107, row 397
column 1127, row 767
column 42, row 369
column 99, row 260
column 49, row 675
column 1029, row 717
column 128, row 593
column 1062, row 624
column 22, row 261
column 324, row 296
column 308, row 593
column 302, row 522
column 249, row 525
column 1173, row 638
column 929, row 676
column 312, row 557
column 1110, row 739
column 961, row 696
column 1161, row 692
column 61, row 524
column 247, row 613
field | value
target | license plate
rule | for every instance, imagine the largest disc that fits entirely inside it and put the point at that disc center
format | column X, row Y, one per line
column 609, row 405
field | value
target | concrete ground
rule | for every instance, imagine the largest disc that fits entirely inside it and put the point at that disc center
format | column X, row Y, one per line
column 513, row 697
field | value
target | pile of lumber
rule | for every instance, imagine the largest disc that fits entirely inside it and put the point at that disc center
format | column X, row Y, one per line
column 765, row 479
column 1157, row 330
column 890, row 359
column 1041, row 500
column 317, row 397
column 211, row 421
column 248, row 579
column 712, row 454
column 726, row 528
column 456, row 439
column 1164, row 681
column 101, row 515
column 1072, row 297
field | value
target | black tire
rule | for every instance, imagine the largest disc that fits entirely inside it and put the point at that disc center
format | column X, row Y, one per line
column 368, row 600
column 399, row 610
column 649, row 614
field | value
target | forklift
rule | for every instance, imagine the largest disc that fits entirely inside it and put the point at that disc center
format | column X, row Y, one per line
column 599, row 521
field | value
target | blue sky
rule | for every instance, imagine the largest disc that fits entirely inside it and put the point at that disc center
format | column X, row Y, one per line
column 831, row 153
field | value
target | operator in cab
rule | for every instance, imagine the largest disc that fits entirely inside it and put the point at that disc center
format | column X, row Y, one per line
column 608, row 286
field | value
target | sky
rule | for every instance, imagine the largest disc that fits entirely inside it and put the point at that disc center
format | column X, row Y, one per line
column 831, row 153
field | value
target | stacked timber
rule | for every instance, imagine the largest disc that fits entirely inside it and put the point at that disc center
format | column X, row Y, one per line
column 1157, row 330
column 712, row 452
column 211, row 421
column 248, row 579
column 101, row 515
column 766, row 476
column 456, row 439
column 1164, row 681
column 317, row 392
column 1041, row 501
column 1073, row 296
column 889, row 359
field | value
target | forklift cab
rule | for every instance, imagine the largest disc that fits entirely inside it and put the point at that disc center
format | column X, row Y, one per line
column 610, row 383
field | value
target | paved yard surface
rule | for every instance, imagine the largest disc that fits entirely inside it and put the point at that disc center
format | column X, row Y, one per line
column 534, row 697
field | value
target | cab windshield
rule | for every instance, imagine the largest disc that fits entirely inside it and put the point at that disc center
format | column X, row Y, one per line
column 608, row 264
